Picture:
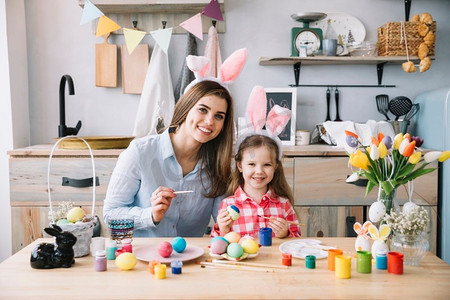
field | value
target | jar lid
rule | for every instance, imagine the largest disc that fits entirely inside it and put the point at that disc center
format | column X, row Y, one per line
column 100, row 253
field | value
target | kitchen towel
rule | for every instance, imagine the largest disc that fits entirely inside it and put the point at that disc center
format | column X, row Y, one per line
column 212, row 51
column 157, row 102
column 186, row 75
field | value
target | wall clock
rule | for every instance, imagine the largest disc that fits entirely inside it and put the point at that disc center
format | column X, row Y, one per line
column 305, row 37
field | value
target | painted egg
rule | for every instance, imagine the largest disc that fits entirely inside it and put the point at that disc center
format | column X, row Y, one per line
column 376, row 211
column 126, row 261
column 409, row 207
column 179, row 244
column 250, row 246
column 165, row 249
column 234, row 212
column 63, row 222
column 219, row 246
column 235, row 250
column 245, row 237
column 219, row 238
column 232, row 237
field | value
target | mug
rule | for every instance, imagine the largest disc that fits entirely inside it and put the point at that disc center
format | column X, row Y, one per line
column 302, row 137
column 329, row 47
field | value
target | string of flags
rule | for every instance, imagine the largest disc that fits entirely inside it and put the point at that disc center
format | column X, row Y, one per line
column 161, row 36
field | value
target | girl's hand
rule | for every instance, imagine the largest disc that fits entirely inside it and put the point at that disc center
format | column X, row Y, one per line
column 279, row 226
column 224, row 221
column 160, row 200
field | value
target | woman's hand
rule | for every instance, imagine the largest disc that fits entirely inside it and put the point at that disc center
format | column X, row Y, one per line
column 279, row 226
column 224, row 221
column 160, row 200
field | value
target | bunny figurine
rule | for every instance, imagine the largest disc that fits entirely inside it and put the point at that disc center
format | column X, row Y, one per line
column 379, row 237
column 362, row 242
column 60, row 254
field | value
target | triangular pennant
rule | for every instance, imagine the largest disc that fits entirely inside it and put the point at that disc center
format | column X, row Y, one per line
column 162, row 38
column 133, row 38
column 90, row 12
column 105, row 26
column 194, row 25
column 212, row 10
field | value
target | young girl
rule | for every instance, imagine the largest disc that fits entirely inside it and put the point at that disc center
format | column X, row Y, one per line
column 260, row 190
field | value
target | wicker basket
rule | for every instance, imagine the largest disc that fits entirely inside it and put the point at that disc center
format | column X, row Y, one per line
column 390, row 42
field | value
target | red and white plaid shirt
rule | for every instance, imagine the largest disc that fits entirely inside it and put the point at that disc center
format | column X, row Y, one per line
column 249, row 223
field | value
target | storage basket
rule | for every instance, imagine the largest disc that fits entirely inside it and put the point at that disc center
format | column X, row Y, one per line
column 390, row 42
column 83, row 231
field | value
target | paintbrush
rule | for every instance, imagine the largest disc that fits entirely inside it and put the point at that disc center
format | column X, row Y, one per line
column 183, row 192
column 233, row 267
column 289, row 222
column 240, row 263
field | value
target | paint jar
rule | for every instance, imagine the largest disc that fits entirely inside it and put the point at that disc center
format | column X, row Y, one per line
column 310, row 262
column 126, row 245
column 331, row 255
column 265, row 236
column 176, row 266
column 160, row 271
column 343, row 265
column 364, row 262
column 395, row 262
column 286, row 259
column 151, row 266
column 381, row 259
column 111, row 250
column 100, row 264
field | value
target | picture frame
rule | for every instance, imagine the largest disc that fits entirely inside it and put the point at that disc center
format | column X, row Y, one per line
column 284, row 97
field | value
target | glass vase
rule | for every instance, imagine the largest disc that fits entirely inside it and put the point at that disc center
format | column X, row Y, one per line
column 388, row 199
column 413, row 247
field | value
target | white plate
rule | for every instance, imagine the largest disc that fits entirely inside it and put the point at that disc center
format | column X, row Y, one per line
column 301, row 248
column 226, row 256
column 150, row 252
column 342, row 23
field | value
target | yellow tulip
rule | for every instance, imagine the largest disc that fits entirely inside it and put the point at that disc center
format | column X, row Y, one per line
column 382, row 149
column 444, row 156
column 359, row 160
column 398, row 140
column 415, row 158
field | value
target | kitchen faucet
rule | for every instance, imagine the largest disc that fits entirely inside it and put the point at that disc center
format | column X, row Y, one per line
column 63, row 130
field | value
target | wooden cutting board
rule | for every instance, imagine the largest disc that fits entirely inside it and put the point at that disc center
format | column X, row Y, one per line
column 106, row 64
column 134, row 68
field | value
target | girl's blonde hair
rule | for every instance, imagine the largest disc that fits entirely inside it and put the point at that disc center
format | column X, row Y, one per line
column 279, row 183
column 215, row 154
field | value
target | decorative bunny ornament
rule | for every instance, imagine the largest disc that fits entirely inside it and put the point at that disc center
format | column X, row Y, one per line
column 362, row 242
column 227, row 73
column 275, row 121
column 379, row 237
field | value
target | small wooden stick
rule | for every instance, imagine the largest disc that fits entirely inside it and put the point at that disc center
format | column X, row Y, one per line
column 289, row 222
column 229, row 262
column 234, row 267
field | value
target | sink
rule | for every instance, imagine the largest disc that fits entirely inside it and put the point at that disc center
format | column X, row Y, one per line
column 96, row 142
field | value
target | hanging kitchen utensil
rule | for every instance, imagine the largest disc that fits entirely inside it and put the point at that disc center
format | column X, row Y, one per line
column 414, row 110
column 105, row 64
column 336, row 98
column 383, row 105
column 328, row 104
column 400, row 106
column 134, row 68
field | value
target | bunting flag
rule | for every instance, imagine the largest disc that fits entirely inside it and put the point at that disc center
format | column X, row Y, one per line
column 194, row 25
column 132, row 38
column 106, row 25
column 90, row 12
column 162, row 38
column 213, row 11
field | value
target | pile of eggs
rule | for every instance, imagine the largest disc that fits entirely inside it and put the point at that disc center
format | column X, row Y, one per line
column 178, row 245
column 233, row 245
column 75, row 214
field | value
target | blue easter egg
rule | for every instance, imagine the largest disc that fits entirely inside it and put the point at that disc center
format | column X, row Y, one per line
column 179, row 244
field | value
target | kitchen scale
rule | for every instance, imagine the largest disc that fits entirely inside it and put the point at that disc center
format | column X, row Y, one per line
column 306, row 41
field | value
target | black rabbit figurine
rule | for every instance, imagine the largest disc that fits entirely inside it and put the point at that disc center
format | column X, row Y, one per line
column 60, row 254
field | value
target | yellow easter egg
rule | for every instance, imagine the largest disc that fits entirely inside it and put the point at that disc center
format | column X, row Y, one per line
column 250, row 246
column 75, row 214
column 232, row 237
column 126, row 261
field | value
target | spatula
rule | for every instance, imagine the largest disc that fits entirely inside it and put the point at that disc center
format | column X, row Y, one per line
column 383, row 105
column 400, row 106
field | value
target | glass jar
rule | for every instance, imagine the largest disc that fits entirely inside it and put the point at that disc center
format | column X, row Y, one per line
column 413, row 246
column 388, row 199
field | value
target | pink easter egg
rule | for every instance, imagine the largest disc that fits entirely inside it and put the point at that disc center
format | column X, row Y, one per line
column 165, row 249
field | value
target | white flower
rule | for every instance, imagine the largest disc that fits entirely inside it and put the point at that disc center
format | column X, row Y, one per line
column 352, row 178
column 432, row 156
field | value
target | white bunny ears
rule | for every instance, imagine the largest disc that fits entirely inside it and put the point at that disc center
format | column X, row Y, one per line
column 275, row 121
column 227, row 73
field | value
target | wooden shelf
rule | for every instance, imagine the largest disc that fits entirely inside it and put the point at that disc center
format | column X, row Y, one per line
column 336, row 60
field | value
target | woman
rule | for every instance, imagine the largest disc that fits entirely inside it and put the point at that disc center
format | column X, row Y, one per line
column 194, row 153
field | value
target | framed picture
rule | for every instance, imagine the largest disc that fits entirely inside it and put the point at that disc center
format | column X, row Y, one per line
column 284, row 97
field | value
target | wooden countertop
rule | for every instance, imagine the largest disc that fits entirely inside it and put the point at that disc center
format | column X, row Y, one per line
column 18, row 280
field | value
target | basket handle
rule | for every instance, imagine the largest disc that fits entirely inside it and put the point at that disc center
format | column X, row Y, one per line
column 48, row 173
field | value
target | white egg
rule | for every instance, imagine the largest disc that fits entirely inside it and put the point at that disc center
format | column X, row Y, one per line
column 409, row 207
column 377, row 211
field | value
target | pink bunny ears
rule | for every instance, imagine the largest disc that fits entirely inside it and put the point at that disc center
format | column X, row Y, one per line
column 275, row 121
column 227, row 73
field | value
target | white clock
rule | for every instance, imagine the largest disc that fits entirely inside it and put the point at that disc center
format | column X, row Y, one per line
column 308, row 38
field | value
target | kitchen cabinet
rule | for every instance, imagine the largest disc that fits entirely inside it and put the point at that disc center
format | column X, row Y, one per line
column 316, row 174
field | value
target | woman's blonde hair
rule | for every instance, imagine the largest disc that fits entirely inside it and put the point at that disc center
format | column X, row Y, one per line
column 279, row 183
column 215, row 154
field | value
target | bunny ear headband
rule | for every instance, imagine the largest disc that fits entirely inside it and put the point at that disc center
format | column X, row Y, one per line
column 275, row 122
column 227, row 73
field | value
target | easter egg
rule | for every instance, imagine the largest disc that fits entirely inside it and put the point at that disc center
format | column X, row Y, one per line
column 250, row 246
column 234, row 212
column 232, row 237
column 376, row 211
column 126, row 261
column 219, row 238
column 75, row 214
column 62, row 222
column 179, row 244
column 165, row 249
column 235, row 250
column 409, row 207
column 219, row 246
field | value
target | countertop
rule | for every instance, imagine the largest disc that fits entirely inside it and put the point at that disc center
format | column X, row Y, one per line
column 18, row 280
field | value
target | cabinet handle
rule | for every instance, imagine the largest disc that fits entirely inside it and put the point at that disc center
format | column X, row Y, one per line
column 359, row 182
column 86, row 182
